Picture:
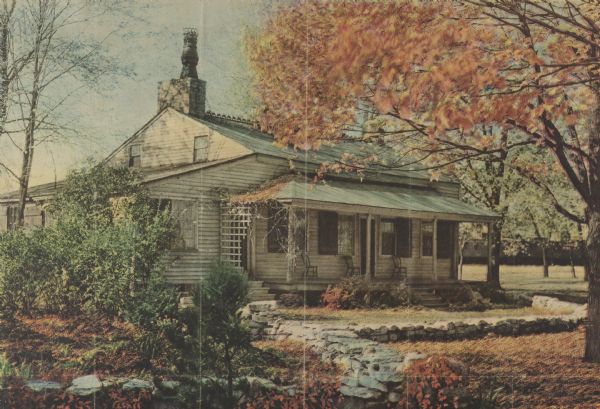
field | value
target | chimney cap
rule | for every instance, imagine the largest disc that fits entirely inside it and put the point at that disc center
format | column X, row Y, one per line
column 189, row 56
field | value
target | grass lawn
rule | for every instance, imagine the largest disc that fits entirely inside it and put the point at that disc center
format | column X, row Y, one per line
column 530, row 278
column 395, row 316
column 534, row 371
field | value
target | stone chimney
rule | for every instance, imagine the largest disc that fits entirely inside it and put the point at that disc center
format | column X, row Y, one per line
column 188, row 93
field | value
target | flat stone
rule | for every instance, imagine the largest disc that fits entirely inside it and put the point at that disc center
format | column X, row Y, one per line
column 137, row 384
column 371, row 383
column 38, row 385
column 360, row 392
column 85, row 385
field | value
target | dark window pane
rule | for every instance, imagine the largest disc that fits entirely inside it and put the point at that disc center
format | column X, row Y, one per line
column 277, row 236
column 388, row 237
column 403, row 243
column 328, row 233
column 445, row 239
column 135, row 156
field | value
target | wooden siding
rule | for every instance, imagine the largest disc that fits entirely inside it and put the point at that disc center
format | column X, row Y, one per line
column 201, row 187
column 272, row 267
column 168, row 141
column 34, row 216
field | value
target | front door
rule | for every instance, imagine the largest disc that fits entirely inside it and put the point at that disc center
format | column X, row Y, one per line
column 363, row 246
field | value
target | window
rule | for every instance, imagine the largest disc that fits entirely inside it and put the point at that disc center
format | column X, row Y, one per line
column 403, row 243
column 12, row 216
column 346, row 235
column 328, row 233
column 201, row 149
column 445, row 239
column 388, row 237
column 277, row 234
column 135, row 156
column 426, row 239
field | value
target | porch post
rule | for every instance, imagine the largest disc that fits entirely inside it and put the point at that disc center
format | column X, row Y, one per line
column 291, row 245
column 434, row 250
column 368, row 271
column 490, row 227
column 252, row 243
column 455, row 250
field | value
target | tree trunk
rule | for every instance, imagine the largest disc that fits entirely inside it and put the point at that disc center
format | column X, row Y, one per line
column 592, row 333
column 573, row 273
column 493, row 276
column 545, row 261
column 583, row 252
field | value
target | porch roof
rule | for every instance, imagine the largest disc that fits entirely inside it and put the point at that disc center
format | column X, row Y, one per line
column 368, row 198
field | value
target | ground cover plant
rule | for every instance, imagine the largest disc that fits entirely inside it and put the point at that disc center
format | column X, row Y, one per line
column 533, row 371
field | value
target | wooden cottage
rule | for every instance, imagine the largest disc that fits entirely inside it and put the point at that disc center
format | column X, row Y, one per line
column 240, row 198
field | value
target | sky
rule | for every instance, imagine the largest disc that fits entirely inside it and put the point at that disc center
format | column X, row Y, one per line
column 146, row 39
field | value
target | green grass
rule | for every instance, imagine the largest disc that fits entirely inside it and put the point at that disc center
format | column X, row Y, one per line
column 531, row 279
column 408, row 315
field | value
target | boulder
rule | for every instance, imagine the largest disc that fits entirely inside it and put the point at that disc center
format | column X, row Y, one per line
column 85, row 385
column 360, row 392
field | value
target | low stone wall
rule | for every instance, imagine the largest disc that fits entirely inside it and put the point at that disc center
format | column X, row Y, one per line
column 462, row 330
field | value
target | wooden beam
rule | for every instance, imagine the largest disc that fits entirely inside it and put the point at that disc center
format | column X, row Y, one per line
column 368, row 271
column 434, row 250
column 489, row 248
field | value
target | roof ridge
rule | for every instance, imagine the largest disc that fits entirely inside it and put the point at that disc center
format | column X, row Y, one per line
column 235, row 119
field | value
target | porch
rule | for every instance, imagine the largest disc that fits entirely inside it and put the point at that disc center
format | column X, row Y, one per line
column 296, row 236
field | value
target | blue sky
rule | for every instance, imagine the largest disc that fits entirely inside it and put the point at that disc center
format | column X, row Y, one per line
column 147, row 40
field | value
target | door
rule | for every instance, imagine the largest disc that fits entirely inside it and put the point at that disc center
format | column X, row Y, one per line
column 363, row 246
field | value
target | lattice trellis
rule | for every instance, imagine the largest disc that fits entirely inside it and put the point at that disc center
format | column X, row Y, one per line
column 235, row 225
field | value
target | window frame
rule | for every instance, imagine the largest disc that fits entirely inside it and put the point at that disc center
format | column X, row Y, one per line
column 205, row 149
column 138, row 156
column 423, row 224
column 277, row 229
column 341, row 218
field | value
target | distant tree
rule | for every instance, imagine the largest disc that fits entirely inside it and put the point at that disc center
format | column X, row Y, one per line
column 444, row 70
column 467, row 232
column 42, row 63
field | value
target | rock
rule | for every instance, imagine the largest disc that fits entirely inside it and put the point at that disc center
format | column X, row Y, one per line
column 360, row 392
column 137, row 384
column 394, row 397
column 261, row 383
column 85, row 385
column 371, row 383
column 38, row 385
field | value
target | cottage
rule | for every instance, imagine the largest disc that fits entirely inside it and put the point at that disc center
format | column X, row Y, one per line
column 240, row 198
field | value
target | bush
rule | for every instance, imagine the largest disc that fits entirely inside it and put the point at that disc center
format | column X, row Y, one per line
column 357, row 292
column 225, row 338
column 435, row 382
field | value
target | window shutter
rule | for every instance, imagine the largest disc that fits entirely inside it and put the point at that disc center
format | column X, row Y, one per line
column 328, row 233
column 403, row 242
column 445, row 239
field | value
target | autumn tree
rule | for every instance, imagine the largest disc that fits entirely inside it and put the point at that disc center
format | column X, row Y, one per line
column 445, row 71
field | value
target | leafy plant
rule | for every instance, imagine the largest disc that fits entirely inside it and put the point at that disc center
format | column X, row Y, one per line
column 225, row 338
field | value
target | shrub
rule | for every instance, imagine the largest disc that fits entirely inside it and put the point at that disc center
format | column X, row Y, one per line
column 225, row 338
column 435, row 382
column 357, row 292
